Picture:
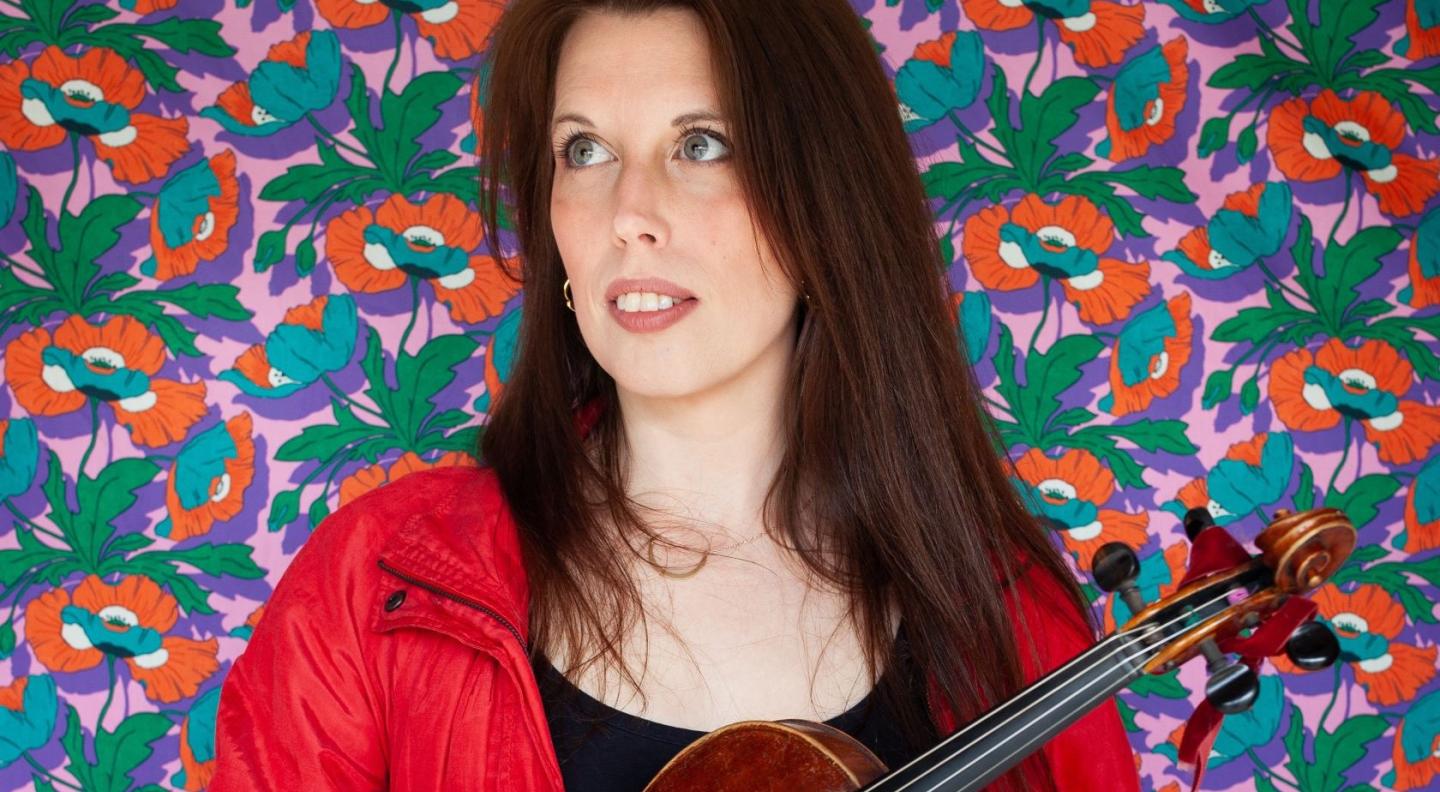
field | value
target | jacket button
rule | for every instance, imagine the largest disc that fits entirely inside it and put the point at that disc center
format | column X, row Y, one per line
column 395, row 600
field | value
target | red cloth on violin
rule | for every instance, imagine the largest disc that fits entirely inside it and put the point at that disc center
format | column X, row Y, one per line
column 338, row 691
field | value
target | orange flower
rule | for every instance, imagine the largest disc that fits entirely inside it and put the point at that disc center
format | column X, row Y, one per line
column 457, row 29
column 1098, row 37
column 203, row 236
column 1367, row 621
column 380, row 252
column 1420, row 42
column 114, row 363
column 127, row 621
column 92, row 95
column 368, row 478
column 1316, row 140
column 1312, row 393
column 1064, row 241
column 1068, row 493
column 222, row 459
column 1158, row 350
column 1157, row 117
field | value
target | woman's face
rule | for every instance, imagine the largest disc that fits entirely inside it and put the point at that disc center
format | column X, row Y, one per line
column 643, row 193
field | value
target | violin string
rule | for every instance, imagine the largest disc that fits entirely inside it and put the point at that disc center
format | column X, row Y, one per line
column 1120, row 649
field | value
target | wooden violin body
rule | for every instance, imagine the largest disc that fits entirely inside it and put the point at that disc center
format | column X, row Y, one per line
column 1218, row 608
column 771, row 756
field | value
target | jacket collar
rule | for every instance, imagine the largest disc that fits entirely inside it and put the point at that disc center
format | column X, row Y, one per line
column 466, row 546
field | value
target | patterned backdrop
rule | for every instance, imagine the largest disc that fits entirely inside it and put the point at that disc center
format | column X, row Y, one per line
column 1196, row 253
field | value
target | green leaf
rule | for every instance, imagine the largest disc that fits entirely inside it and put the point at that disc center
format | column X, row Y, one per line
column 1361, row 500
column 305, row 256
column 1045, row 118
column 1249, row 396
column 1339, row 23
column 1252, row 71
column 1213, row 136
column 1165, row 685
column 423, row 375
column 1153, row 434
column 1299, row 765
column 1305, row 493
column 1048, row 375
column 318, row 511
column 949, row 179
column 1258, row 325
column 1165, row 182
column 31, row 555
column 409, row 115
column 102, row 499
column 1262, row 783
column 284, row 509
column 1393, row 576
column 1245, row 144
column 118, row 753
column 999, row 105
column 321, row 442
column 309, row 182
column 73, row 740
column 86, row 239
column 231, row 559
column 270, row 249
column 1217, row 388
column 1349, row 265
column 203, row 300
column 1338, row 751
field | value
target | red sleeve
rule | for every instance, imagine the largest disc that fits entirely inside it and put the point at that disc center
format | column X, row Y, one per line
column 1094, row 752
column 298, row 709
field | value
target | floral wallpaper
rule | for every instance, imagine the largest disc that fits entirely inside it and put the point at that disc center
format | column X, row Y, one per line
column 1195, row 248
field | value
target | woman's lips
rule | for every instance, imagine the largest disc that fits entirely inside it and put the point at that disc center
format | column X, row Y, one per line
column 652, row 321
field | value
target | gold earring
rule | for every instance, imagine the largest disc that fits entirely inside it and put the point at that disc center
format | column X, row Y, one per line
column 565, row 290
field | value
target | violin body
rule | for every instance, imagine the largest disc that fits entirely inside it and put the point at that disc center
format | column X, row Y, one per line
column 771, row 756
column 1229, row 603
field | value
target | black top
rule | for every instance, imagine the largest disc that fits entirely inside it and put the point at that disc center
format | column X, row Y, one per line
column 602, row 749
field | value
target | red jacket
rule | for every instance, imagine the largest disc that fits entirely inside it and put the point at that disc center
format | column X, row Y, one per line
column 391, row 656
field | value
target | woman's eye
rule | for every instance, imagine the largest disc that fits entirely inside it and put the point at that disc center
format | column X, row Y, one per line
column 695, row 144
column 585, row 151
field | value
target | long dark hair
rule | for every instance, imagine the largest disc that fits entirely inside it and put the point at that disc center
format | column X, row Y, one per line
column 891, row 486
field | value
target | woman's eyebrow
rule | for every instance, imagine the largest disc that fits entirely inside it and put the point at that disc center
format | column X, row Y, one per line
column 680, row 120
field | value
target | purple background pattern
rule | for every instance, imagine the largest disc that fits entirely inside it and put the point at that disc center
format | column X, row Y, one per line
column 180, row 183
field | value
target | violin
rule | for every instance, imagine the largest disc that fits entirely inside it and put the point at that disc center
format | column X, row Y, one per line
column 1228, row 603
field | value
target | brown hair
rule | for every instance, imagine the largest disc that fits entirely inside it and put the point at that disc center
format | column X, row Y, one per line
column 891, row 486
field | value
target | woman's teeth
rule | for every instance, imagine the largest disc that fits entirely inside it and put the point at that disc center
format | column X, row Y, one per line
column 631, row 302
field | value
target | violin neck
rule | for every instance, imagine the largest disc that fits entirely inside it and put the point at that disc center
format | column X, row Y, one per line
column 999, row 739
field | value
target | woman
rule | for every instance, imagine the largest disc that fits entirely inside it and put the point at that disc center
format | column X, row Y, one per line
column 740, row 470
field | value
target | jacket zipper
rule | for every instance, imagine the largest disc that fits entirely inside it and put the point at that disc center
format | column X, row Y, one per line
column 467, row 602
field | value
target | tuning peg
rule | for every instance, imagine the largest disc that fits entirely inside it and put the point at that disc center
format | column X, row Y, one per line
column 1197, row 520
column 1312, row 646
column 1116, row 567
column 1232, row 688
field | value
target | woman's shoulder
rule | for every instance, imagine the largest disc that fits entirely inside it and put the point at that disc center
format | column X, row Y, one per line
column 427, row 506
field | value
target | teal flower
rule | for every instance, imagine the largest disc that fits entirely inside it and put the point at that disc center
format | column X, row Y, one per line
column 1246, row 730
column 1212, row 12
column 1424, row 288
column 19, row 456
column 297, row 77
column 1422, row 511
column 1417, row 746
column 27, row 715
column 312, row 340
column 208, row 479
column 197, row 743
column 1145, row 99
column 1152, row 349
column 9, row 188
column 942, row 76
column 193, row 216
column 1250, row 226
column 1253, row 473
column 974, row 323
